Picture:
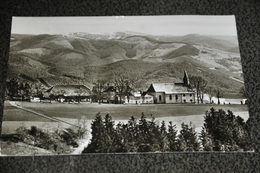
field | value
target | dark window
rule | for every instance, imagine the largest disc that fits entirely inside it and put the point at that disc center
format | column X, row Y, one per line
column 176, row 97
column 170, row 97
column 160, row 98
column 191, row 95
column 183, row 95
column 184, row 101
column 190, row 100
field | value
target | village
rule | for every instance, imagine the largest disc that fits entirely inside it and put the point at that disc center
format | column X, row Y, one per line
column 119, row 92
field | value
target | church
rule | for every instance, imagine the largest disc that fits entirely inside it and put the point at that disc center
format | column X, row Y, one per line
column 172, row 92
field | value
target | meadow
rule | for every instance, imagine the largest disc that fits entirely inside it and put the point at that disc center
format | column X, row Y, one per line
column 117, row 111
column 177, row 113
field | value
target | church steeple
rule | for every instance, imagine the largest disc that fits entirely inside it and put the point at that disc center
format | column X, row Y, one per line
column 186, row 79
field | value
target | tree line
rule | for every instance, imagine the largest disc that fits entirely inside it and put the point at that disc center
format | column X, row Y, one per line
column 222, row 131
column 123, row 86
column 23, row 90
column 201, row 87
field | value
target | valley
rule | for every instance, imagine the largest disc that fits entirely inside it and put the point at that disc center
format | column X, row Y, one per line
column 82, row 58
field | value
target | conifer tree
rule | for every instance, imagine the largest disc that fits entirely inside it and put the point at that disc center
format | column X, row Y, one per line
column 187, row 139
column 172, row 135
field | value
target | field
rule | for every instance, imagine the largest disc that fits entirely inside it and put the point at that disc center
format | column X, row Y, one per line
column 118, row 112
column 177, row 113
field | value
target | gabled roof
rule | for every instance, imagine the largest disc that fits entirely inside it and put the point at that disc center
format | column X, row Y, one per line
column 167, row 88
column 110, row 89
column 70, row 89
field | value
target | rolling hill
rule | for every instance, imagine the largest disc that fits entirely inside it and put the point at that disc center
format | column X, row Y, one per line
column 75, row 58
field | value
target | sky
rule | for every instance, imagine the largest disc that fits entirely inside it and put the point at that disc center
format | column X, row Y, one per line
column 154, row 25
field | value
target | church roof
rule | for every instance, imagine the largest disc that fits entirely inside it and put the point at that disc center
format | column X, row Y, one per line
column 168, row 88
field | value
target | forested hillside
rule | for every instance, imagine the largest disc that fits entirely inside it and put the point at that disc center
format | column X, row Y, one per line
column 80, row 58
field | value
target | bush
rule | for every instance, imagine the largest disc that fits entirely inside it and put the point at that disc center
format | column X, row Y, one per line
column 82, row 130
column 58, row 141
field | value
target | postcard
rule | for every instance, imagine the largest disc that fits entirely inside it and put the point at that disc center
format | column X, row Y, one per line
column 124, row 84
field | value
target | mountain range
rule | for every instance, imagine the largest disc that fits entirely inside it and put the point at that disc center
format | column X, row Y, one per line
column 77, row 58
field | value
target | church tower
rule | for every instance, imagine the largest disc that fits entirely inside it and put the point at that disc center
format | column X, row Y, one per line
column 186, row 79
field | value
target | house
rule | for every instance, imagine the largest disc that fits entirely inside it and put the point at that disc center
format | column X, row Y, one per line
column 139, row 98
column 69, row 92
column 172, row 92
column 110, row 95
column 147, row 98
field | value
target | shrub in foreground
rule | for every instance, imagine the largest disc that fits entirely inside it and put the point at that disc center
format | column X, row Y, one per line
column 58, row 141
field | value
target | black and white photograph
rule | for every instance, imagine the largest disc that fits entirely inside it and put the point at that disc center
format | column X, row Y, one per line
column 124, row 84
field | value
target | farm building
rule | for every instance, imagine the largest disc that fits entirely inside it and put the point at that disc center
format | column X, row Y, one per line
column 172, row 92
column 109, row 95
column 69, row 92
column 139, row 98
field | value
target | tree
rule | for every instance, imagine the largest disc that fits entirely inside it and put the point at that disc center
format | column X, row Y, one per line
column 131, row 135
column 13, row 88
column 206, row 140
column 98, row 90
column 219, row 93
column 172, row 135
column 163, row 138
column 225, row 131
column 98, row 140
column 129, row 89
column 105, row 138
column 82, row 124
column 122, row 86
column 187, row 139
column 27, row 89
column 210, row 90
column 37, row 89
column 199, row 84
column 21, row 90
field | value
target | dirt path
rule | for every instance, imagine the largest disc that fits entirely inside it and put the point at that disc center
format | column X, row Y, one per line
column 40, row 114
column 82, row 144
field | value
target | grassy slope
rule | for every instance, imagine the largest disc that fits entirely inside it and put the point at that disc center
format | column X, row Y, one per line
column 21, row 149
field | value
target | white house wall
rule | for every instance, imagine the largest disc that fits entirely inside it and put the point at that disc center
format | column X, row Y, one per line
column 173, row 100
column 139, row 100
column 188, row 98
column 182, row 98
column 157, row 97
column 148, row 99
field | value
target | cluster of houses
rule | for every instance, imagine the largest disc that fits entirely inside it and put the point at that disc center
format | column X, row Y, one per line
column 157, row 93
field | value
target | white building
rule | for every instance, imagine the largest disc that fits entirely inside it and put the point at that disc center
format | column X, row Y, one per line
column 138, row 98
